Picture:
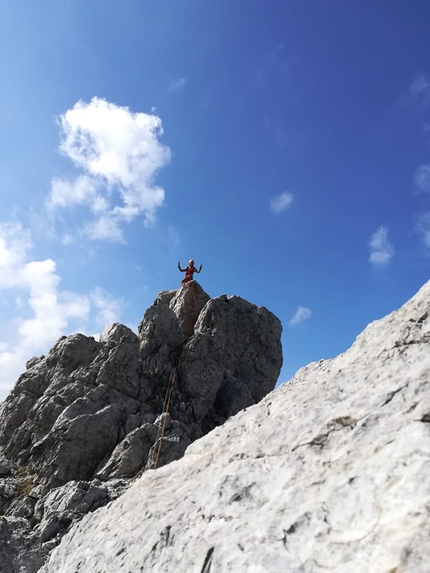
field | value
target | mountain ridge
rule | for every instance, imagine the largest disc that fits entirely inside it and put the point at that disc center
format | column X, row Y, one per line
column 89, row 417
column 326, row 473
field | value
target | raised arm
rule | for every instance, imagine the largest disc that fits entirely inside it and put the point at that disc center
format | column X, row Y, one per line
column 200, row 268
column 179, row 267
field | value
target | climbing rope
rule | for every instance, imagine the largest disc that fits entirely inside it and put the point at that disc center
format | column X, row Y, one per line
column 165, row 412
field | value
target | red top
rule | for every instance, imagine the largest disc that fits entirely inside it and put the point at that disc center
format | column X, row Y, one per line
column 189, row 271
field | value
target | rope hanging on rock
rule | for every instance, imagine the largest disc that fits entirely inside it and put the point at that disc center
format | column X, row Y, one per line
column 164, row 414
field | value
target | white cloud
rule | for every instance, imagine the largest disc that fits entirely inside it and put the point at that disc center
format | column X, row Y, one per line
column 119, row 154
column 302, row 313
column 65, row 193
column 418, row 95
column 105, row 228
column 14, row 244
column 420, row 89
column 278, row 129
column 423, row 227
column 281, row 202
column 177, row 84
column 45, row 310
column 108, row 307
column 381, row 250
column 173, row 238
column 51, row 308
column 422, row 178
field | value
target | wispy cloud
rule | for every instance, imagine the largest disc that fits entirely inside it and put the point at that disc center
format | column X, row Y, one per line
column 44, row 311
column 381, row 250
column 423, row 228
column 119, row 154
column 108, row 307
column 302, row 313
column 277, row 128
column 177, row 84
column 273, row 66
column 173, row 238
column 420, row 89
column 422, row 178
column 281, row 202
column 418, row 95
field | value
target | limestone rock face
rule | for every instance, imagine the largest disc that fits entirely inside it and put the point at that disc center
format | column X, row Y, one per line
column 131, row 454
column 167, row 325
column 88, row 416
column 329, row 472
column 209, row 354
column 64, row 505
column 20, row 551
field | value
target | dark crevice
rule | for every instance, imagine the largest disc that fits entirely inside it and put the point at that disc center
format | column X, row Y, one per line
column 320, row 441
column 391, row 395
column 208, row 561
column 424, row 339
column 345, row 421
column 423, row 317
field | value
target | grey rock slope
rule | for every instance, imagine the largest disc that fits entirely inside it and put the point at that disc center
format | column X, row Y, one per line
column 330, row 472
column 85, row 419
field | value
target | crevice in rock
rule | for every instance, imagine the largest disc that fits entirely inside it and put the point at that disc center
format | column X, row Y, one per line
column 391, row 395
column 208, row 560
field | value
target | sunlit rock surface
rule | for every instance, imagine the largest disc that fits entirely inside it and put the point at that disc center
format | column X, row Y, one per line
column 330, row 472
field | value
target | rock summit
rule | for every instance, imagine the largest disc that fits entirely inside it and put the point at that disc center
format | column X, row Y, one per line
column 85, row 420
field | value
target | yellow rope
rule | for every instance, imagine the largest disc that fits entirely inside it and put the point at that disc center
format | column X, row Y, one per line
column 165, row 411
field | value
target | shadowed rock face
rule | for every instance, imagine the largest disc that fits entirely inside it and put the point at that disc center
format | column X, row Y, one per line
column 89, row 411
column 329, row 472
column 228, row 342
column 18, row 552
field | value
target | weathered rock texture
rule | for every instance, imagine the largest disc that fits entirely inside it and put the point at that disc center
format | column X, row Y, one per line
column 85, row 419
column 330, row 472
column 19, row 553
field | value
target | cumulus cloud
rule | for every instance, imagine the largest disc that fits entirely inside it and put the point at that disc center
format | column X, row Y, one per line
column 281, row 202
column 45, row 311
column 118, row 153
column 422, row 178
column 65, row 193
column 302, row 313
column 14, row 245
column 381, row 250
column 108, row 307
column 105, row 228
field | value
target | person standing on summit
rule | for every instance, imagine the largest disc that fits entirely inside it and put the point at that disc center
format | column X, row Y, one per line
column 189, row 271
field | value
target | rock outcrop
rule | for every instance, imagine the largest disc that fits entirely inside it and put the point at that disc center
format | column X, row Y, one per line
column 328, row 473
column 19, row 552
column 86, row 418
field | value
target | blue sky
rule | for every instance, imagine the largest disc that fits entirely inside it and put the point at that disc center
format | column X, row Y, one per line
column 284, row 145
